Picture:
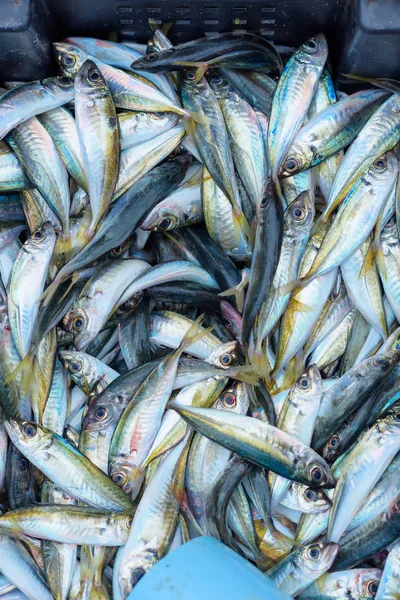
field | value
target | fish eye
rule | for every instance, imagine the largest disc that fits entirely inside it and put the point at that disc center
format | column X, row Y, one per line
column 38, row 235
column 23, row 464
column 68, row 60
column 118, row 478
column 94, row 76
column 137, row 575
column 380, row 362
column 316, row 474
column 314, row 552
column 291, row 164
column 216, row 78
column 78, row 323
column 311, row 45
column 263, row 201
column 100, row 413
column 190, row 75
column 397, row 416
column 333, row 442
column 372, row 587
column 164, row 224
column 390, row 223
column 152, row 56
column 298, row 213
column 29, row 430
column 74, row 367
column 380, row 163
column 64, row 80
column 304, row 383
column 226, row 360
column 116, row 251
column 229, row 399
column 310, row 495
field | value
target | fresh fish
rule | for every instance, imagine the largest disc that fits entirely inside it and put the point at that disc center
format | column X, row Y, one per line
column 260, row 443
column 330, row 130
column 98, row 132
column 292, row 98
column 366, row 463
column 303, row 566
column 344, row 585
column 29, row 99
column 267, row 251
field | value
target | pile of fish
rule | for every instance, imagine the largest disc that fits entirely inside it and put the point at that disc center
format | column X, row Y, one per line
column 199, row 314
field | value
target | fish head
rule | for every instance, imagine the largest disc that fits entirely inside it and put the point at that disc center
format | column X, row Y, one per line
column 70, row 58
column 154, row 61
column 126, row 474
column 43, row 238
column 314, row 499
column 89, row 81
column 29, row 437
column 368, row 583
column 79, row 366
column 308, row 385
column 314, row 51
column 224, row 356
column 63, row 84
column 101, row 413
column 383, row 169
column 332, row 449
column 219, row 85
column 161, row 218
column 235, row 398
column 391, row 421
column 136, row 565
column 389, row 234
column 299, row 158
column 316, row 471
column 189, row 86
column 384, row 362
column 86, row 325
column 315, row 559
column 231, row 318
column 299, row 215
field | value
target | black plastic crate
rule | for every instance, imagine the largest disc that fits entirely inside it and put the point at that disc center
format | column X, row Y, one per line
column 363, row 35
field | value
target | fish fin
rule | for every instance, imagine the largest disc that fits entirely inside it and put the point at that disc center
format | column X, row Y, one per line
column 197, row 117
column 165, row 27
column 300, row 306
column 261, row 363
column 25, row 369
column 186, row 63
column 237, row 291
column 240, row 224
column 193, row 334
column 386, row 83
column 292, row 372
column 190, row 519
column 288, row 288
column 369, row 260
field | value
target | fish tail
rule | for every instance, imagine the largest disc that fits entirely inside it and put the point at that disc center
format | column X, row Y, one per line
column 246, row 374
column 293, row 371
column 369, row 259
column 237, row 291
column 64, row 245
column 196, row 117
column 25, row 371
column 241, row 225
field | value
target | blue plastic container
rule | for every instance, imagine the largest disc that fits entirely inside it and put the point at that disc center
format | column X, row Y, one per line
column 205, row 569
